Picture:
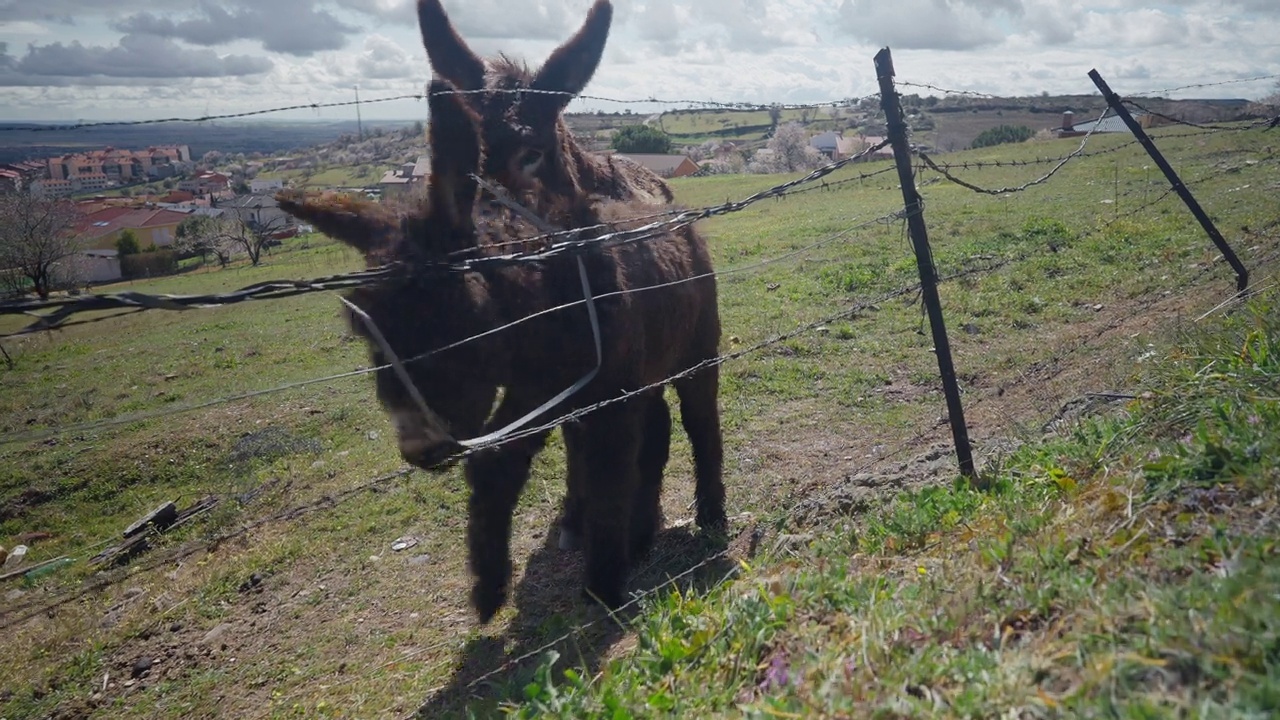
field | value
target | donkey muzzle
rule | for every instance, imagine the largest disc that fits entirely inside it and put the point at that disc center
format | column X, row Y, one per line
column 423, row 444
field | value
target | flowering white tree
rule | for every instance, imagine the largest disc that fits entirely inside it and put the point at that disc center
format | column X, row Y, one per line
column 787, row 151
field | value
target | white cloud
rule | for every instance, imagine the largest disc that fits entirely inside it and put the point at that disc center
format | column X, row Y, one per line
column 383, row 59
column 919, row 24
column 296, row 27
column 137, row 56
column 752, row 50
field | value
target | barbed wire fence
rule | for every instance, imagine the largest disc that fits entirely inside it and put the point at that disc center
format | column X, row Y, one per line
column 56, row 313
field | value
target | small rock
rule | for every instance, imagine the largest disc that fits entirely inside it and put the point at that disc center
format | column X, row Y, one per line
column 1098, row 307
column 972, row 329
column 175, row 627
column 373, row 435
column 254, row 581
column 215, row 634
column 15, row 556
column 317, row 464
column 141, row 667
column 404, row 543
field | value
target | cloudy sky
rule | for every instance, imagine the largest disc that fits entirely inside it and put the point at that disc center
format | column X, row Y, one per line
column 135, row 59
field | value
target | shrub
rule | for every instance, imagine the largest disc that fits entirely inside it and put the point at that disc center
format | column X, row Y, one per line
column 1002, row 134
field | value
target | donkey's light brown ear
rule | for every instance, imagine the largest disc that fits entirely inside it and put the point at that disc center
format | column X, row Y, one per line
column 455, row 157
column 449, row 55
column 571, row 66
column 364, row 225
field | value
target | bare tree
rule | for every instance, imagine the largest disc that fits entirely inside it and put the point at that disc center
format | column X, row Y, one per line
column 37, row 243
column 249, row 235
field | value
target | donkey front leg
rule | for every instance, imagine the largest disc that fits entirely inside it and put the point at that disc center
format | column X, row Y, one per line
column 612, row 447
column 496, row 477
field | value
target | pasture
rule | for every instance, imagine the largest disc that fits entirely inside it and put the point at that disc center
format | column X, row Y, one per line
column 287, row 599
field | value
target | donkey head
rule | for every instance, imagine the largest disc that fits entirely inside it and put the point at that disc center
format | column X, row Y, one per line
column 418, row 310
column 525, row 139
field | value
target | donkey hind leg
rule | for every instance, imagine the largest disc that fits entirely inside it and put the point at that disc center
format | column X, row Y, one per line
column 496, row 477
column 612, row 444
column 700, row 415
column 655, row 450
column 571, row 516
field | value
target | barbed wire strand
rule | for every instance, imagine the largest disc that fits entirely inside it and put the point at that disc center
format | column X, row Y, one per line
column 329, row 501
column 65, row 307
column 1256, row 78
column 91, row 426
column 1188, row 123
column 1005, row 190
column 419, row 96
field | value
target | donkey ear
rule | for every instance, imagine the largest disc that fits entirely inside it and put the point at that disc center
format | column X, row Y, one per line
column 364, row 225
column 571, row 66
column 449, row 55
column 455, row 156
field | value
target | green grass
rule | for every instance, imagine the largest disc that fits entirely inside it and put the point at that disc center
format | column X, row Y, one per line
column 1127, row 568
column 342, row 625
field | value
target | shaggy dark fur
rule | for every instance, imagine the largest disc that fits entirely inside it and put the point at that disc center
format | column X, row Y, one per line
column 528, row 146
column 617, row 453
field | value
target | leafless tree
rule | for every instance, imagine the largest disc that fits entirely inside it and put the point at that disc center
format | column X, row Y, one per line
column 250, row 236
column 37, row 242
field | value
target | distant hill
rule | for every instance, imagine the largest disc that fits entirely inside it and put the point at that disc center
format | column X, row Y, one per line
column 267, row 137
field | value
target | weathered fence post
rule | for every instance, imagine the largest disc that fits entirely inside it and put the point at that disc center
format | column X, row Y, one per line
column 1242, row 274
column 924, row 259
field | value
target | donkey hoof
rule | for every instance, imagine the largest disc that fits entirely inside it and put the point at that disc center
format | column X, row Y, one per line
column 569, row 540
column 487, row 600
column 713, row 521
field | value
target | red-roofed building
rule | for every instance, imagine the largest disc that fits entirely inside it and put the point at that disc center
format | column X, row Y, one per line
column 206, row 183
column 174, row 197
column 101, row 229
column 10, row 180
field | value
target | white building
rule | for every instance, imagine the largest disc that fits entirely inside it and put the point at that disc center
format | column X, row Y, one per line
column 260, row 185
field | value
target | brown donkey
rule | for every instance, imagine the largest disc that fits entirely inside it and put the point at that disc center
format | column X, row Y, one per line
column 645, row 335
column 528, row 146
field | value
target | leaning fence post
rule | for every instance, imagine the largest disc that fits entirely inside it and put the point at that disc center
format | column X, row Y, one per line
column 1242, row 274
column 924, row 259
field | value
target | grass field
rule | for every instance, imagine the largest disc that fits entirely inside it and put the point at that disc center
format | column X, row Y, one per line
column 1122, row 564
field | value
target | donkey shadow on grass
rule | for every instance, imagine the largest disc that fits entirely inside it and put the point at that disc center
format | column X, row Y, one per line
column 546, row 611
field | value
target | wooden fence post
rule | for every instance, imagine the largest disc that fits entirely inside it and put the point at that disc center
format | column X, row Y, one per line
column 1242, row 274
column 924, row 260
